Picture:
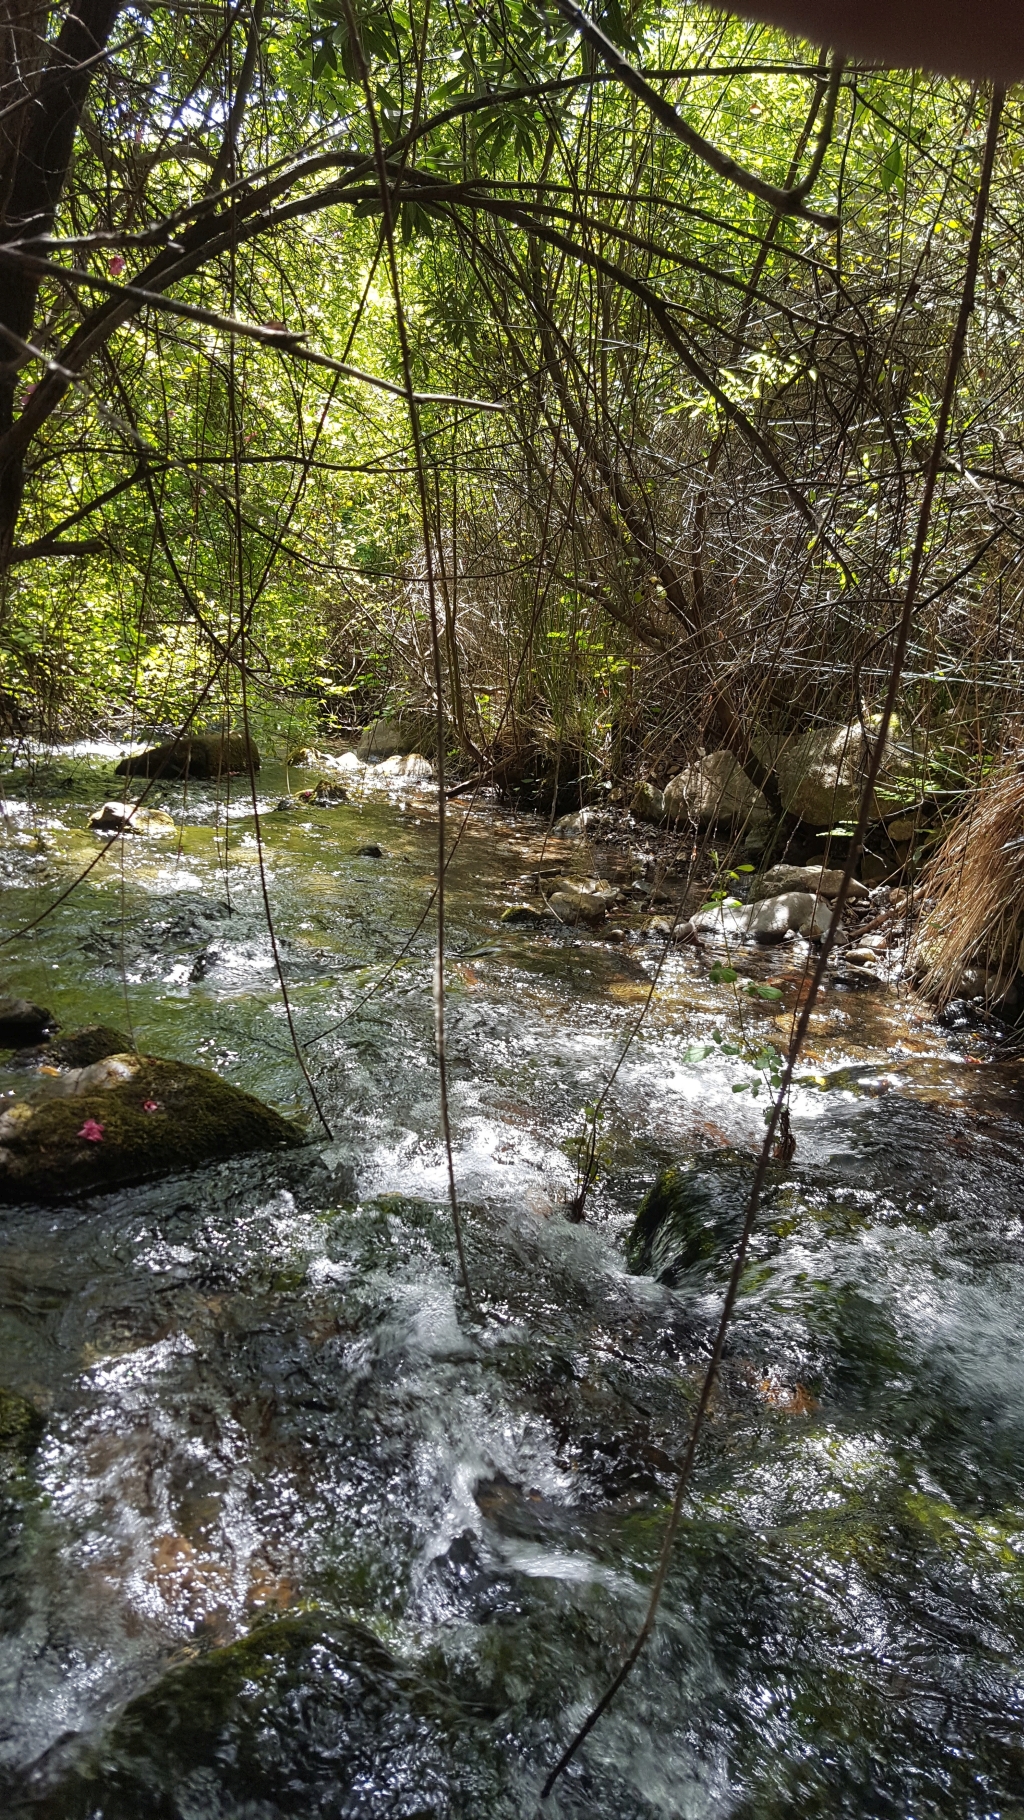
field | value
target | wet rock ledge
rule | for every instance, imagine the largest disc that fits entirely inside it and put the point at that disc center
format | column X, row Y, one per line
column 87, row 1123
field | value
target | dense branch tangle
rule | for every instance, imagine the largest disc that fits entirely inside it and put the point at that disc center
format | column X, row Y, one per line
column 678, row 318
column 674, row 317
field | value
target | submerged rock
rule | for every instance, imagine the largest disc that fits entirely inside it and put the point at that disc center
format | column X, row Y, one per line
column 22, row 1022
column 199, row 755
column 688, row 1218
column 228, row 959
column 124, row 1118
column 306, row 1715
column 131, row 818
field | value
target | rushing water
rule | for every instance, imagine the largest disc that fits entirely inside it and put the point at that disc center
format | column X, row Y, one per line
column 304, row 1535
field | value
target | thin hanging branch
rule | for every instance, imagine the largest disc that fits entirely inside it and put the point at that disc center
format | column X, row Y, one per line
column 440, row 1035
column 785, row 201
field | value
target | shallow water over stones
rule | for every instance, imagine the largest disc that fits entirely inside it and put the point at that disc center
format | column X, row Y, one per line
column 302, row 1534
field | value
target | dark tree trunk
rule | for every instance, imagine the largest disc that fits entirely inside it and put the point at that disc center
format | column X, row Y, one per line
column 37, row 165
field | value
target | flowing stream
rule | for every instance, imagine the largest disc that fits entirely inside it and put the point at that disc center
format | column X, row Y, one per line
column 303, row 1535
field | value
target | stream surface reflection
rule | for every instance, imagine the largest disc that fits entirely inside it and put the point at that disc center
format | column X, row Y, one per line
column 302, row 1537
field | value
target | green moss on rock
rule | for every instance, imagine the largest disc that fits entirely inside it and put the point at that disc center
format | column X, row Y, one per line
column 305, row 1716
column 201, row 755
column 21, row 1425
column 687, row 1219
column 76, row 1051
column 126, row 1118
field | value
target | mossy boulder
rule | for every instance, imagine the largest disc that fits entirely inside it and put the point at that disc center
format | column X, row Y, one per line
column 78, row 1050
column 687, row 1220
column 305, row 1716
column 125, row 1118
column 648, row 804
column 326, row 795
column 200, row 755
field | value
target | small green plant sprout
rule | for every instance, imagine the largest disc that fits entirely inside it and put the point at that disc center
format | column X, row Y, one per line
column 720, row 900
column 763, row 1059
column 723, row 975
column 585, row 1149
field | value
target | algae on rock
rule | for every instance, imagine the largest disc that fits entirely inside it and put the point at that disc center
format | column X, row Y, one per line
column 306, row 1715
column 200, row 755
column 687, row 1219
column 125, row 1118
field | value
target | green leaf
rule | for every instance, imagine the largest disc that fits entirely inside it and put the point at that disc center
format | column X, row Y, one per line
column 611, row 17
column 892, row 168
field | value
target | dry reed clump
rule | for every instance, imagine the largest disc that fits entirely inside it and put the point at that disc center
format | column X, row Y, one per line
column 976, row 884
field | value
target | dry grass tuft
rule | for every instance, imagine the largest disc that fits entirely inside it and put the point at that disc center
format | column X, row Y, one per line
column 976, row 884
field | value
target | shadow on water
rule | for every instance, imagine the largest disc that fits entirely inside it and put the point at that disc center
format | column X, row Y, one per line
column 285, row 1531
